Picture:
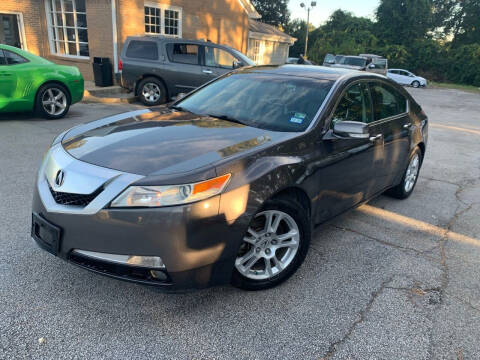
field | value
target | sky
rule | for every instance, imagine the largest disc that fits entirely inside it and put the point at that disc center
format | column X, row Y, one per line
column 325, row 8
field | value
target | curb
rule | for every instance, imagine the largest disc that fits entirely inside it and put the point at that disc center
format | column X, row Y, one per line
column 125, row 99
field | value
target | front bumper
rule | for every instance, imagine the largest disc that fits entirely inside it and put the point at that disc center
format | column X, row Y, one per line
column 196, row 243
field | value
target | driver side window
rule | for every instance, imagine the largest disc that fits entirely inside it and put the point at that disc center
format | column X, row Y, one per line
column 355, row 105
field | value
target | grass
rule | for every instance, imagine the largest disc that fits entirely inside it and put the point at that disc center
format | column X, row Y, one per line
column 468, row 88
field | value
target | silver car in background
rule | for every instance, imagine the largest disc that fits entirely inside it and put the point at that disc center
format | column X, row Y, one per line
column 405, row 77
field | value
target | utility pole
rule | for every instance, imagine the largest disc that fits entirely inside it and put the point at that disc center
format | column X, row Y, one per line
column 308, row 8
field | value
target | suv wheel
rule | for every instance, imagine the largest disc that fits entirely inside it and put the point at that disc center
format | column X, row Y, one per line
column 152, row 92
column 274, row 246
column 52, row 101
column 410, row 177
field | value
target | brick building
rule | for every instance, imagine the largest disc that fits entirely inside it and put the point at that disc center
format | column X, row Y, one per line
column 72, row 32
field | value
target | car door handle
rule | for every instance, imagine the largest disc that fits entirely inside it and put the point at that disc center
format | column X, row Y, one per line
column 208, row 71
column 376, row 137
column 407, row 126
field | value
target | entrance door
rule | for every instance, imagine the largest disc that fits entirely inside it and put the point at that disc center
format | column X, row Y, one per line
column 10, row 30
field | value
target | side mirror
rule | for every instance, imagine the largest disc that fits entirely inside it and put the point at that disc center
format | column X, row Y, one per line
column 351, row 129
column 237, row 64
column 371, row 66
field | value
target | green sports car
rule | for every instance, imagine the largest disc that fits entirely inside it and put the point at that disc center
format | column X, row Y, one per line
column 31, row 83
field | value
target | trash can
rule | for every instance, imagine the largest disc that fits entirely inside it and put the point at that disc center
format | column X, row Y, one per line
column 102, row 71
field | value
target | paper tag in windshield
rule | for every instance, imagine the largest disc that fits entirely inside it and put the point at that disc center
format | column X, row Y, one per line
column 298, row 118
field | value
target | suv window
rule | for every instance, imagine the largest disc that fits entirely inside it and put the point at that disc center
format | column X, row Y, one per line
column 183, row 53
column 12, row 58
column 219, row 58
column 387, row 101
column 355, row 105
column 142, row 50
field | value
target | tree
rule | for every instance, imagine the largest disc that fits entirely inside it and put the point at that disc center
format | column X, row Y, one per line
column 343, row 33
column 401, row 22
column 274, row 12
column 460, row 19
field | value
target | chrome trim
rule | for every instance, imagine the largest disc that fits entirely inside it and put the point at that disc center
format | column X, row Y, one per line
column 128, row 260
column 80, row 178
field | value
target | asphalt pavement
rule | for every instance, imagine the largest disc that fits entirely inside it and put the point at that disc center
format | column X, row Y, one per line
column 391, row 280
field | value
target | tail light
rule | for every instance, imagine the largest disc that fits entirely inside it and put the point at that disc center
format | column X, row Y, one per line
column 120, row 65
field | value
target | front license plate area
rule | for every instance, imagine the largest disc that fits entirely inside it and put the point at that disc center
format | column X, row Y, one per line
column 46, row 234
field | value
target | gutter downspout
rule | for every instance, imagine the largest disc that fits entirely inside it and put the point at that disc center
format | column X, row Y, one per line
column 115, row 36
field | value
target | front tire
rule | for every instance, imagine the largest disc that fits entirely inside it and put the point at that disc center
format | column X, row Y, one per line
column 410, row 177
column 416, row 84
column 152, row 92
column 274, row 246
column 52, row 101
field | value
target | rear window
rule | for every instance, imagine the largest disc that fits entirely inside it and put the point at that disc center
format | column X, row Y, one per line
column 387, row 101
column 142, row 50
column 183, row 53
column 3, row 61
column 353, row 61
column 12, row 58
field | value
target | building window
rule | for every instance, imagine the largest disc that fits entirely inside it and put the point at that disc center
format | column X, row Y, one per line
column 163, row 19
column 257, row 47
column 67, row 27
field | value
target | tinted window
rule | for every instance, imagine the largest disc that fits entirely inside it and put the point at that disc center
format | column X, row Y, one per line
column 353, row 61
column 13, row 58
column 381, row 63
column 142, row 50
column 355, row 105
column 3, row 61
column 387, row 101
column 273, row 102
column 219, row 58
column 183, row 53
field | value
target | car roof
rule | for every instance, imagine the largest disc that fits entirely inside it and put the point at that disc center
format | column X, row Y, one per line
column 311, row 71
column 162, row 38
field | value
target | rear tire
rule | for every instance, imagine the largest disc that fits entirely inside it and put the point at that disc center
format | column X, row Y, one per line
column 152, row 92
column 416, row 84
column 283, row 245
column 52, row 101
column 410, row 177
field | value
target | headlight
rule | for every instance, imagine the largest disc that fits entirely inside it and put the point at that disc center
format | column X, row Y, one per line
column 157, row 196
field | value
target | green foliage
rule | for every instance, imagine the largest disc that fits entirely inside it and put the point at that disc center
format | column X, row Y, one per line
column 401, row 22
column 274, row 12
column 439, row 39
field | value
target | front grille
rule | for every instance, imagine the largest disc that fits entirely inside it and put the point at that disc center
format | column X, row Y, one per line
column 74, row 199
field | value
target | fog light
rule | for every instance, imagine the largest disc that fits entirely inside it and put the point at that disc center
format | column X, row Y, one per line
column 154, row 262
column 159, row 275
column 151, row 262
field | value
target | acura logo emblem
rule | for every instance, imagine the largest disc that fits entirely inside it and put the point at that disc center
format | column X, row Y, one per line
column 60, row 178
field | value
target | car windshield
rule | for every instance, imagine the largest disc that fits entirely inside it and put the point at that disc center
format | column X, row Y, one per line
column 353, row 61
column 267, row 101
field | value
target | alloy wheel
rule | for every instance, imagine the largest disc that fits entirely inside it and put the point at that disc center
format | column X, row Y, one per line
column 54, row 101
column 412, row 173
column 151, row 92
column 269, row 247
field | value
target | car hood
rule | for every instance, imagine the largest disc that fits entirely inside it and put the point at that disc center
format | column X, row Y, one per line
column 163, row 142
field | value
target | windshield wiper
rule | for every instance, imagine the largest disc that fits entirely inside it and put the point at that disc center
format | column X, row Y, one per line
column 227, row 118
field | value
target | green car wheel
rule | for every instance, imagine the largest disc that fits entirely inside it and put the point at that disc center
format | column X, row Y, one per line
column 52, row 101
column 31, row 83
